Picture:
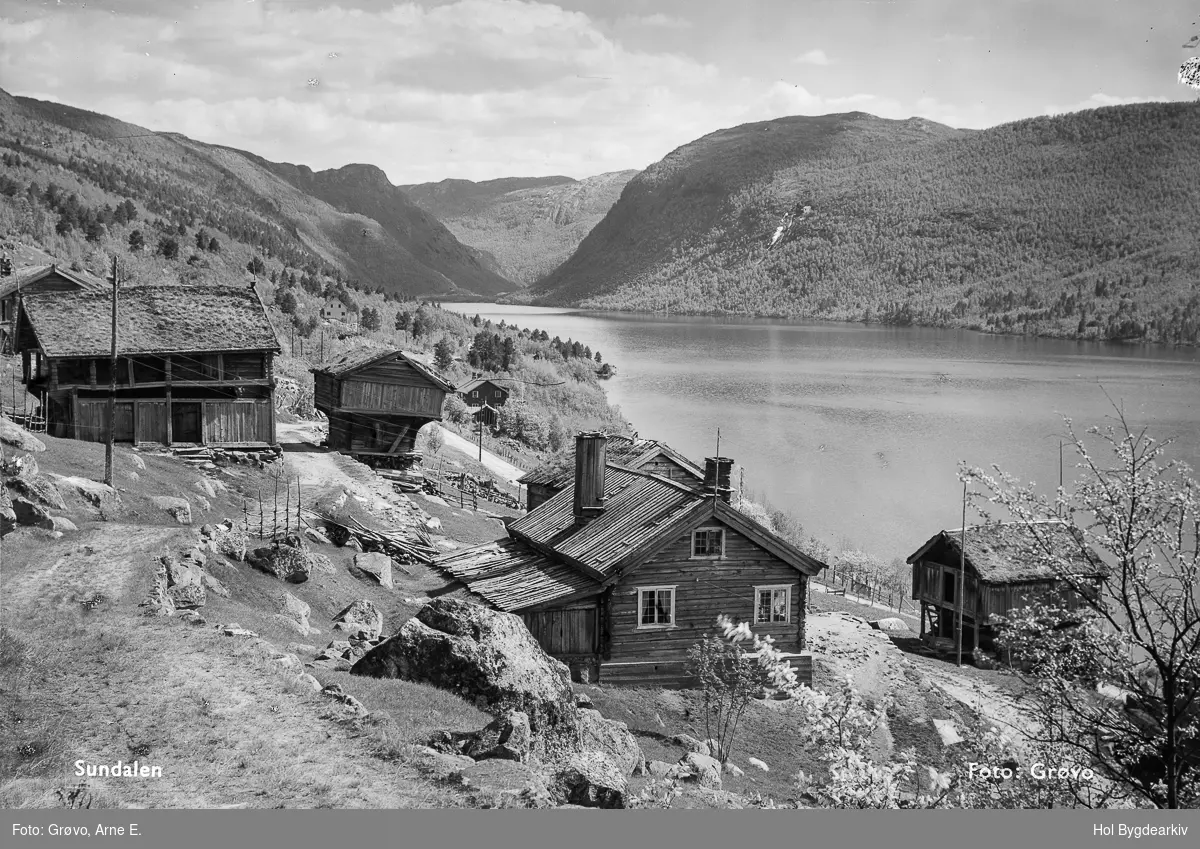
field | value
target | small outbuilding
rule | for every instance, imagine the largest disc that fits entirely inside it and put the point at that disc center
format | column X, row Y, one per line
column 376, row 400
column 1001, row 572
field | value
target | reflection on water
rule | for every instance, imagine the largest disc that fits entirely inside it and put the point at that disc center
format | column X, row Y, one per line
column 858, row 430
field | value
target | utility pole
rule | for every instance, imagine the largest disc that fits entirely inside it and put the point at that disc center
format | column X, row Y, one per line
column 481, row 433
column 112, row 384
column 962, row 570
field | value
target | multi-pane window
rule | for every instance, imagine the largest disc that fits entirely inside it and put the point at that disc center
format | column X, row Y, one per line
column 772, row 604
column 656, row 606
column 708, row 542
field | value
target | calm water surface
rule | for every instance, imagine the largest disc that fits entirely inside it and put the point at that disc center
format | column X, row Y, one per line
column 858, row 430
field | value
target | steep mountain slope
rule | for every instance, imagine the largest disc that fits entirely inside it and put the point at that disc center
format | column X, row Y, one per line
column 529, row 225
column 1074, row 225
column 350, row 220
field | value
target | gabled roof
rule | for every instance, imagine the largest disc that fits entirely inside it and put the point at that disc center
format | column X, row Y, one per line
column 479, row 381
column 559, row 471
column 152, row 319
column 1016, row 552
column 23, row 277
column 368, row 355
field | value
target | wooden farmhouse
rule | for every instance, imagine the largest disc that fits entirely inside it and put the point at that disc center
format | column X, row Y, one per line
column 376, row 400
column 621, row 574
column 33, row 280
column 194, row 364
column 486, row 395
column 1000, row 577
column 558, row 473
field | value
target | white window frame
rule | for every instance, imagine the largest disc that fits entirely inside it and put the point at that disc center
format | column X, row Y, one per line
column 655, row 625
column 719, row 556
column 787, row 609
column 474, row 393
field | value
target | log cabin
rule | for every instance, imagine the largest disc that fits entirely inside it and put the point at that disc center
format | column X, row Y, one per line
column 376, row 399
column 622, row 574
column 558, row 473
column 194, row 364
column 32, row 280
column 486, row 395
column 1001, row 572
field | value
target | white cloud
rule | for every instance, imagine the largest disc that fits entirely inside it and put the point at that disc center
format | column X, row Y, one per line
column 1101, row 99
column 658, row 19
column 813, row 57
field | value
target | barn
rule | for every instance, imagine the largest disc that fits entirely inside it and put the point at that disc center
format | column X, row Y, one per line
column 620, row 575
column 558, row 473
column 194, row 364
column 376, row 399
column 36, row 279
column 998, row 576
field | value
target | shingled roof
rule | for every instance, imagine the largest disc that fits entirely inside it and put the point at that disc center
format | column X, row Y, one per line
column 512, row 575
column 367, row 354
column 152, row 319
column 479, row 381
column 559, row 471
column 1000, row 553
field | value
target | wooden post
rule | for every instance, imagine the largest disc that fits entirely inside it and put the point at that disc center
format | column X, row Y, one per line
column 78, row 425
column 91, row 372
column 112, row 383
column 287, row 509
column 275, row 518
column 962, row 570
column 260, row 513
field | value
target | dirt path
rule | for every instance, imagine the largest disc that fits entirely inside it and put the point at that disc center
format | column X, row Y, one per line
column 491, row 462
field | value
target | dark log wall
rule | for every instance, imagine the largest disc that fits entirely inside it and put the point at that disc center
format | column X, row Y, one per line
column 392, row 386
column 325, row 392
column 704, row 590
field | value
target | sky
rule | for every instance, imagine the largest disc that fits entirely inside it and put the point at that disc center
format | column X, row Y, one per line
column 481, row 89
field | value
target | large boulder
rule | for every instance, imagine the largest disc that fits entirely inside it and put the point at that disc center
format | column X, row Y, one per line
column 700, row 769
column 38, row 490
column 294, row 613
column 8, row 521
column 507, row 737
column 374, row 566
column 590, row 779
column 612, row 738
column 362, row 619
column 289, row 560
column 890, row 623
column 94, row 493
column 19, row 438
column 485, row 656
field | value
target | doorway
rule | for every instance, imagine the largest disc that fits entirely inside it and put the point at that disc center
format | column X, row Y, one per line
column 185, row 422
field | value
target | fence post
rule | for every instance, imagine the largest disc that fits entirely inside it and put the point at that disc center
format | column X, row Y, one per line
column 287, row 509
column 275, row 517
column 261, row 513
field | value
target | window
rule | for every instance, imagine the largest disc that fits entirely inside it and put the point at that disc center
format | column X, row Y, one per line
column 656, row 607
column 773, row 604
column 474, row 393
column 708, row 542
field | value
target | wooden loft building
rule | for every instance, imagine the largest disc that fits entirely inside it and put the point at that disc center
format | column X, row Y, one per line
column 37, row 279
column 1000, row 577
column 194, row 364
column 376, row 400
column 486, row 395
column 620, row 575
column 558, row 473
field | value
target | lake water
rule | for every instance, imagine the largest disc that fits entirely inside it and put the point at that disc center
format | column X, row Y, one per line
column 858, row 430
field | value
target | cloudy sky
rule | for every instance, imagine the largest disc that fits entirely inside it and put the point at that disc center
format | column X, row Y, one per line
column 490, row 88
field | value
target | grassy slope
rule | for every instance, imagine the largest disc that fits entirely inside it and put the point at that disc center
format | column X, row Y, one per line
column 1070, row 225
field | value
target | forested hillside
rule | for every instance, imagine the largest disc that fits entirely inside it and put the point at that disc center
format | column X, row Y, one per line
column 1075, row 225
column 529, row 226
column 349, row 223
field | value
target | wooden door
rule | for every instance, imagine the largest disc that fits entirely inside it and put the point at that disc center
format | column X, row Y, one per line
column 185, row 421
column 565, row 631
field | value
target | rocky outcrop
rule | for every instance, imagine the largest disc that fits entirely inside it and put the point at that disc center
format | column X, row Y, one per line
column 701, row 769
column 373, row 566
column 157, row 602
column 487, row 657
column 38, row 490
column 293, row 612
column 490, row 658
column 289, row 560
column 361, row 619
column 8, row 521
column 185, row 581
column 91, row 492
column 29, row 513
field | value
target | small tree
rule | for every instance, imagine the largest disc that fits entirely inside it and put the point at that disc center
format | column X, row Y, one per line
column 286, row 302
column 443, row 354
column 168, row 247
column 137, row 242
column 256, row 265
column 1139, row 634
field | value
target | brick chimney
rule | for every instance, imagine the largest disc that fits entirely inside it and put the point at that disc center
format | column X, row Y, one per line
column 716, row 477
column 591, row 454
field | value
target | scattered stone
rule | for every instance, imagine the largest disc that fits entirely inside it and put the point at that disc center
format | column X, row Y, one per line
column 375, row 566
column 701, row 769
column 660, row 769
column 308, row 681
column 96, row 494
column 38, row 490
column 947, row 731
column 213, row 585
column 733, row 769
column 204, row 503
column 206, row 488
column 755, row 762
column 583, row 700
column 433, row 523
column 301, row 648
column 590, row 779
column 8, row 521
column 191, row 617
column 362, row 619
column 516, row 781
column 178, row 508
column 890, row 624
column 235, row 630
column 157, row 602
column 137, row 461
column 187, row 596
column 317, row 536
column 289, row 560
column 61, row 523
column 288, row 662
column 19, row 438
column 507, row 737
column 440, row 764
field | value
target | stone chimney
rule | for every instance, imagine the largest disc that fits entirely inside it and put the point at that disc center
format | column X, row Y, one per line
column 716, row 477
column 591, row 454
